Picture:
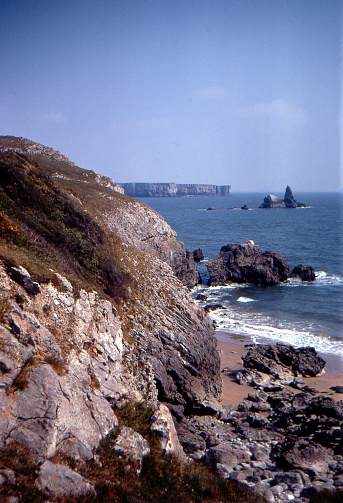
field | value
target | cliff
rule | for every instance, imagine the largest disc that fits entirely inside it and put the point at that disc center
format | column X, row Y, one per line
column 92, row 319
column 174, row 189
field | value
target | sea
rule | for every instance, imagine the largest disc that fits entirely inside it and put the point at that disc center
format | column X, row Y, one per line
column 294, row 312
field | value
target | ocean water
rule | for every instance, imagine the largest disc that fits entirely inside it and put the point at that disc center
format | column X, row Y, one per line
column 294, row 312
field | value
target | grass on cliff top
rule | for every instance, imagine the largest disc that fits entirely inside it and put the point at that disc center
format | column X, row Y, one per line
column 55, row 231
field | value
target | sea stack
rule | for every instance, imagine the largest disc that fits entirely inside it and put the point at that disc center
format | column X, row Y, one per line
column 272, row 201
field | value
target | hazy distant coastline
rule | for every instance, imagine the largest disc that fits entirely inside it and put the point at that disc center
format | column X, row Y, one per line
column 174, row 189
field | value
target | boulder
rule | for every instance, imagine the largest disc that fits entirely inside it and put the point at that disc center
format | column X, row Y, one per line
column 132, row 445
column 281, row 359
column 272, row 201
column 198, row 255
column 162, row 424
column 59, row 480
column 309, row 457
column 246, row 263
column 305, row 273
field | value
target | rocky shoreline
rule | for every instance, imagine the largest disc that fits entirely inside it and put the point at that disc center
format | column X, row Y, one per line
column 105, row 358
column 275, row 442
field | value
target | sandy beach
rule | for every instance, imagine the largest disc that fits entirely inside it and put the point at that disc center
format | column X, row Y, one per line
column 231, row 349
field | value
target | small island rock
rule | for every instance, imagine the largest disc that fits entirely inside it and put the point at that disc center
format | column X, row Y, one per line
column 272, row 201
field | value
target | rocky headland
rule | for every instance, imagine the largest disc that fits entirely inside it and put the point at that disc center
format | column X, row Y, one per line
column 174, row 189
column 110, row 382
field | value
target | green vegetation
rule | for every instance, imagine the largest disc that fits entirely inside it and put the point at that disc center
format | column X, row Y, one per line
column 54, row 228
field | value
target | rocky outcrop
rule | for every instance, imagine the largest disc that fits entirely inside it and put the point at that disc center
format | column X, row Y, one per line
column 273, row 365
column 246, row 263
column 272, row 201
column 290, row 201
column 143, row 228
column 305, row 273
column 174, row 189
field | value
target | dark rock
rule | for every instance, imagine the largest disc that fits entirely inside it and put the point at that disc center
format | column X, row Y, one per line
column 309, row 457
column 227, row 454
column 257, row 420
column 246, row 263
column 185, row 269
column 323, row 405
column 305, row 273
column 272, row 201
column 290, row 201
column 191, row 440
column 22, row 277
column 201, row 296
column 213, row 307
column 245, row 207
column 280, row 359
column 198, row 255
column 337, row 389
column 210, row 208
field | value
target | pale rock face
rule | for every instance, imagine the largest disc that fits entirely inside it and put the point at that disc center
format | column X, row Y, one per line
column 132, row 445
column 50, row 400
column 163, row 425
column 59, row 480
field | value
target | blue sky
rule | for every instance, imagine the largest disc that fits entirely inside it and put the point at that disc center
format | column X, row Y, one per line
column 239, row 92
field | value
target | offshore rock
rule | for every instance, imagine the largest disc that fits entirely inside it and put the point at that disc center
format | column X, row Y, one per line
column 305, row 273
column 290, row 201
column 246, row 263
column 272, row 201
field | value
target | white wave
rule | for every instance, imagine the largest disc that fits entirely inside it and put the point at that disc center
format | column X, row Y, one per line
column 322, row 279
column 245, row 299
column 260, row 327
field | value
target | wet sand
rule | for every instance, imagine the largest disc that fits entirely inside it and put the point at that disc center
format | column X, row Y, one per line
column 231, row 349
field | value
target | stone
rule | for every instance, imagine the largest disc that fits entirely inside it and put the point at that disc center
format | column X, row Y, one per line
column 59, row 480
column 132, row 445
column 283, row 361
column 305, row 273
column 309, row 457
column 226, row 454
column 162, row 424
column 259, row 453
column 198, row 255
column 21, row 275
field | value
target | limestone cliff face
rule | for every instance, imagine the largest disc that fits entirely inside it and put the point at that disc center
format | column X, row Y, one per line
column 174, row 189
column 70, row 356
column 143, row 228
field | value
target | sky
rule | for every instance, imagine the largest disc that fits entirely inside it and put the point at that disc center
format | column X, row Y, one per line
column 244, row 93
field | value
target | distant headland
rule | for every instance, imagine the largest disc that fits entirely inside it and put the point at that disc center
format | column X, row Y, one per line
column 174, row 189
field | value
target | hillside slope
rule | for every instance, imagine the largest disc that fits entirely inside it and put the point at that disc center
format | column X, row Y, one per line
column 91, row 320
